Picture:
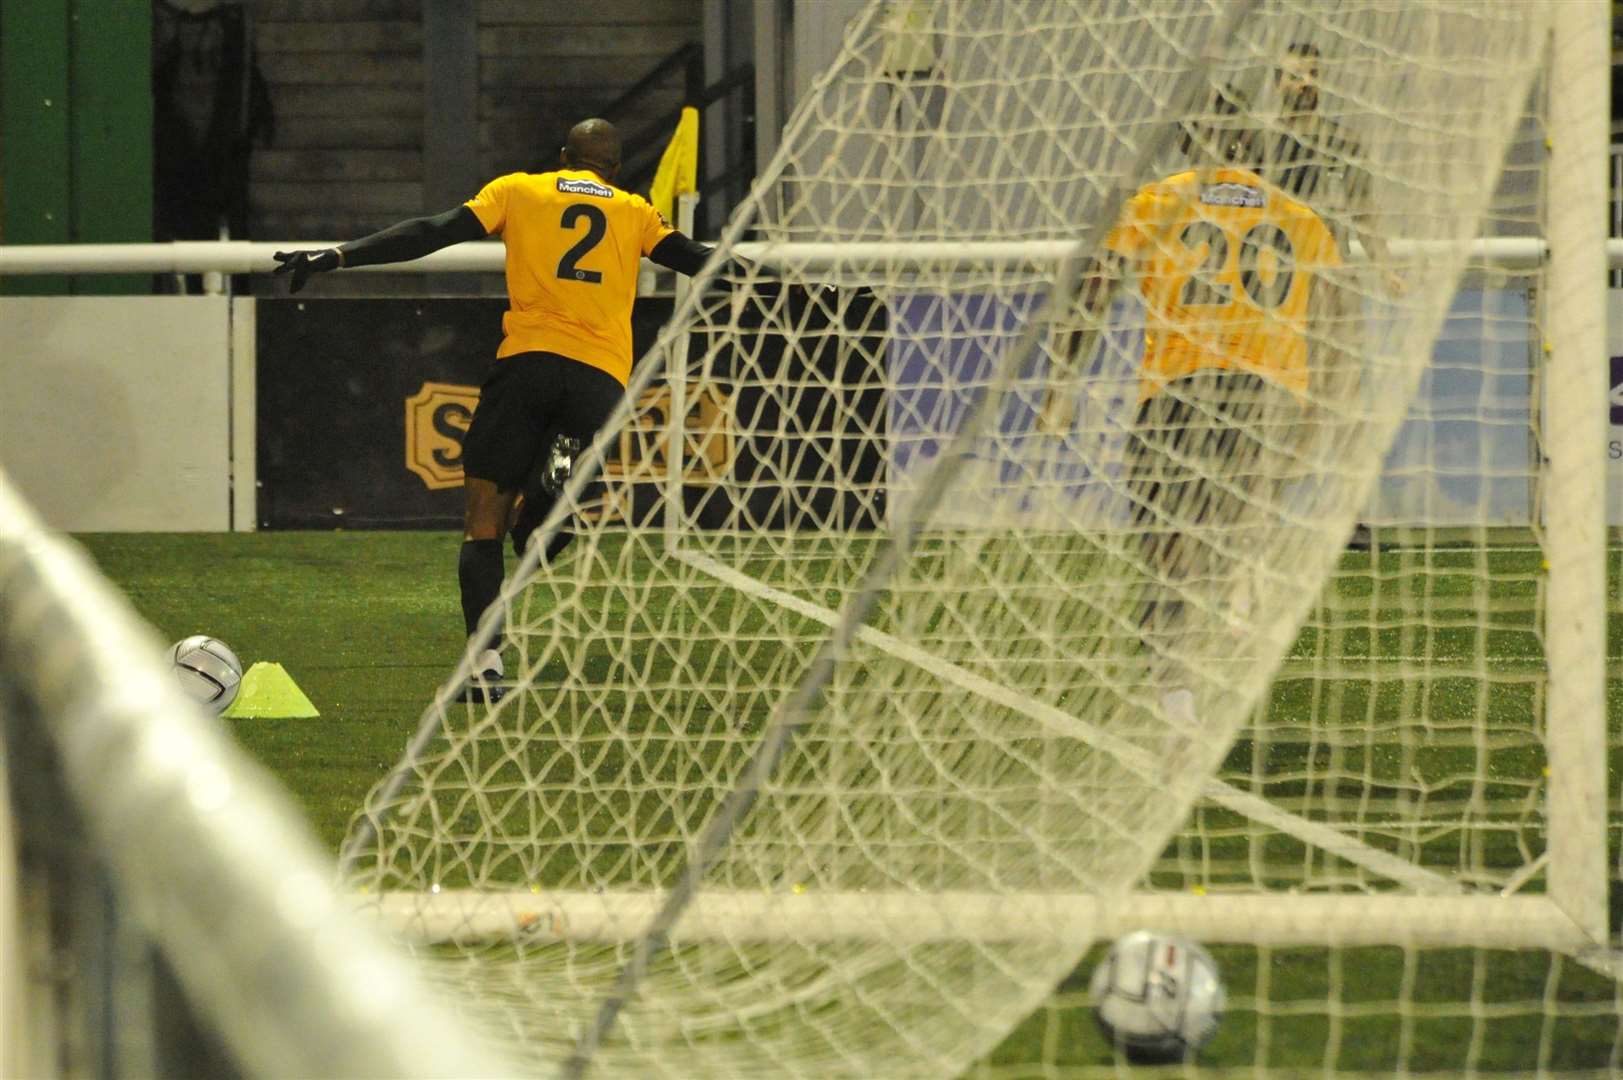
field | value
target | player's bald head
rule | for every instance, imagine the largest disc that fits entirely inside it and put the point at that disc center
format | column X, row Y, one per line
column 593, row 144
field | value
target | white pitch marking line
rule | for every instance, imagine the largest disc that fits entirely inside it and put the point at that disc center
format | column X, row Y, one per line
column 1140, row 761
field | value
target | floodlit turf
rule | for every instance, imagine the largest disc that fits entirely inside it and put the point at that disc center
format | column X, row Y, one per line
column 368, row 625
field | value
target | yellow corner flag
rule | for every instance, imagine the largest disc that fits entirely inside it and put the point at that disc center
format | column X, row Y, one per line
column 678, row 171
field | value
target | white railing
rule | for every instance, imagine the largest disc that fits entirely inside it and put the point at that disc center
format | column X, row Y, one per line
column 255, row 257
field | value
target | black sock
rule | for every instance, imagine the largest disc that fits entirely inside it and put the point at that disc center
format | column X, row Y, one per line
column 556, row 545
column 524, row 525
column 528, row 522
column 479, row 569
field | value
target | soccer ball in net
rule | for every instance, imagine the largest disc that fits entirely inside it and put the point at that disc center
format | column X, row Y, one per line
column 207, row 670
column 1157, row 998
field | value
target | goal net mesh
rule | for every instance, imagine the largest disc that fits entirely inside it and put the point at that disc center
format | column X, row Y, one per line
column 1037, row 625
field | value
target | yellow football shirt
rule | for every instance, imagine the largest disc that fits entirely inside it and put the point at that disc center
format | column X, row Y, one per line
column 574, row 245
column 1226, row 266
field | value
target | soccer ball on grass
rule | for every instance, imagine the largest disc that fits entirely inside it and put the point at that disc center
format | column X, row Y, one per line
column 1156, row 997
column 207, row 670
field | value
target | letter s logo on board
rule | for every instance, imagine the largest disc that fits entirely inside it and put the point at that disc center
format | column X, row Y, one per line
column 437, row 419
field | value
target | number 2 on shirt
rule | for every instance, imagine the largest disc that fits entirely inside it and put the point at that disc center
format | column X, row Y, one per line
column 596, row 225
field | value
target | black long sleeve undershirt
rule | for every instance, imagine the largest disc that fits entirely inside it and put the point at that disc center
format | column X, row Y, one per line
column 681, row 253
column 413, row 238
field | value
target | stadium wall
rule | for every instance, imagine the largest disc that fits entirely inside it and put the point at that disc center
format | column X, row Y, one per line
column 208, row 414
column 1466, row 455
column 1614, row 402
column 115, row 412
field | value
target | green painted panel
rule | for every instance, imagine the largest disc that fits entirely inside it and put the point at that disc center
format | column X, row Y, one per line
column 35, row 149
column 112, row 131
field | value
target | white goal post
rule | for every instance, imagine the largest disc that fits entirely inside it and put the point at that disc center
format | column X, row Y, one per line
column 1575, row 424
column 159, row 900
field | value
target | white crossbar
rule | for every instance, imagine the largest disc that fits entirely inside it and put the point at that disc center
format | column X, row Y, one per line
column 808, row 915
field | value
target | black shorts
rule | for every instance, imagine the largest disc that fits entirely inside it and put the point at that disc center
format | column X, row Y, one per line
column 527, row 401
column 1202, row 447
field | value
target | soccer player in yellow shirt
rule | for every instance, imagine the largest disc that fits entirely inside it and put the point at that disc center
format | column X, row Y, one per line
column 574, row 243
column 1230, row 269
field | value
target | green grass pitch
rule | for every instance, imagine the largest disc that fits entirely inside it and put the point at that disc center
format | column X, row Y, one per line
column 368, row 625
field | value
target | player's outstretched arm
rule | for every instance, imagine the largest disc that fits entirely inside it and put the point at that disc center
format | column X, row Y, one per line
column 681, row 253
column 688, row 256
column 400, row 242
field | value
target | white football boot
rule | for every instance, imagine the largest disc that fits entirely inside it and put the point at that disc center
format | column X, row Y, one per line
column 484, row 686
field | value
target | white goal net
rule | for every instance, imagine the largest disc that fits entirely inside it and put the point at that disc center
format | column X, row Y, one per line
column 967, row 579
